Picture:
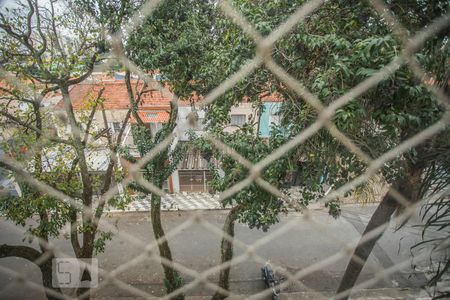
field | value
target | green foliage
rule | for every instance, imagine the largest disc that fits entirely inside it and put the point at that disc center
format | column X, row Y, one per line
column 329, row 56
column 435, row 236
column 53, row 170
column 258, row 208
column 100, row 242
column 166, row 162
column 174, row 40
column 121, row 201
column 337, row 54
column 172, row 286
column 110, row 14
column 334, row 208
column 48, row 56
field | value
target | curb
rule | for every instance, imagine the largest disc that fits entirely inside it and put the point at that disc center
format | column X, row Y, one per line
column 312, row 206
column 369, row 294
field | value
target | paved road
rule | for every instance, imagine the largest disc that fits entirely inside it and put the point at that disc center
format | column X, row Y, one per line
column 306, row 242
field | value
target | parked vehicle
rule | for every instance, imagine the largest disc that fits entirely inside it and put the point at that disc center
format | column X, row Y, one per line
column 270, row 280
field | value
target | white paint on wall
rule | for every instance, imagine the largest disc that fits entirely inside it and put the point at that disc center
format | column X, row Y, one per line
column 175, row 182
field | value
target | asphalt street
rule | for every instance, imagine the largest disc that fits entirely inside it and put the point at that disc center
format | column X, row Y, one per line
column 297, row 243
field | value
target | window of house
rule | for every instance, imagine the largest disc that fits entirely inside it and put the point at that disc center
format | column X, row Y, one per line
column 117, row 126
column 165, row 186
column 237, row 120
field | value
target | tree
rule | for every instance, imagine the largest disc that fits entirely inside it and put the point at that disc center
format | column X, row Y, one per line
column 186, row 43
column 156, row 172
column 45, row 49
column 252, row 205
column 329, row 56
column 113, row 15
column 337, row 54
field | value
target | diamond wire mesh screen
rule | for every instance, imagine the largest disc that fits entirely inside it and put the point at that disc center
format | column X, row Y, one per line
column 262, row 58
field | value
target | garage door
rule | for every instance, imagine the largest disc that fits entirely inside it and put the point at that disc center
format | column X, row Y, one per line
column 194, row 180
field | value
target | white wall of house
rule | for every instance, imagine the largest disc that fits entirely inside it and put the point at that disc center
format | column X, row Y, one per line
column 175, row 182
column 183, row 123
column 114, row 119
column 243, row 109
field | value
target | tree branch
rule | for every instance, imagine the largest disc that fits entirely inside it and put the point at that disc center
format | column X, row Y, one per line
column 112, row 164
column 79, row 148
column 29, row 16
column 30, row 126
column 25, row 252
column 57, row 44
column 90, row 68
column 91, row 116
column 133, row 103
column 16, row 96
column 38, row 25
column 74, row 232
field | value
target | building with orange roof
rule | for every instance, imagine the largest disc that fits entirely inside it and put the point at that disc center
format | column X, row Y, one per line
column 153, row 108
column 192, row 174
column 114, row 105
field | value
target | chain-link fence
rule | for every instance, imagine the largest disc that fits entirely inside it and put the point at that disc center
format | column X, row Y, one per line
column 263, row 58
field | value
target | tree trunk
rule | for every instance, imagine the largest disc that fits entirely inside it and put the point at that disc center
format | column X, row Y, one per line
column 172, row 278
column 226, row 249
column 47, row 275
column 381, row 215
column 409, row 187
column 87, row 252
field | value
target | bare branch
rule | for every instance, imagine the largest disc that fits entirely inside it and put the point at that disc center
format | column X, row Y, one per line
column 38, row 25
column 55, row 32
column 133, row 103
column 25, row 252
column 34, row 128
column 90, row 68
column 91, row 116
column 29, row 17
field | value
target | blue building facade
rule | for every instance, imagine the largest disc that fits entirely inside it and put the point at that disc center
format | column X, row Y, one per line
column 269, row 116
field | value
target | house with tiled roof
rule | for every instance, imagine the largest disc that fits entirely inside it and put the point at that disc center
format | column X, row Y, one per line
column 113, row 105
column 192, row 174
column 153, row 108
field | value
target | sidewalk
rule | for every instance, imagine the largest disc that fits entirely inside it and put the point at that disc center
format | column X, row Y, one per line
column 176, row 201
column 206, row 201
column 367, row 294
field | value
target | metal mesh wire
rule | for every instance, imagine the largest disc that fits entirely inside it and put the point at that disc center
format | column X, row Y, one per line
column 324, row 120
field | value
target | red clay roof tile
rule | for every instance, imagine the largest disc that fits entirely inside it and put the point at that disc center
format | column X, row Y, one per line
column 151, row 116
column 115, row 95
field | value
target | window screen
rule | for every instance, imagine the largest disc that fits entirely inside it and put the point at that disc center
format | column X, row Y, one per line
column 238, row 120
